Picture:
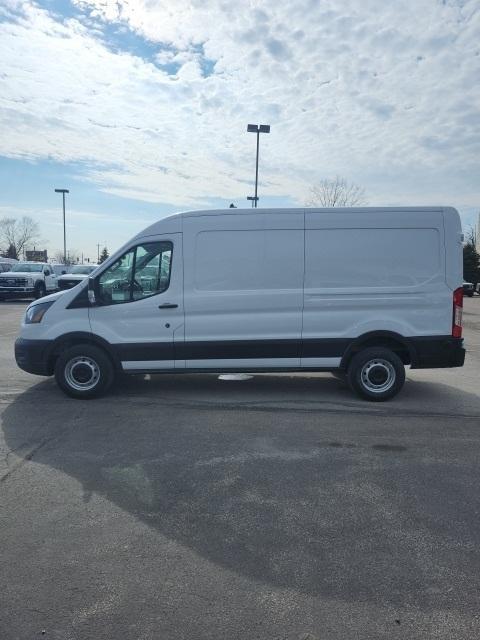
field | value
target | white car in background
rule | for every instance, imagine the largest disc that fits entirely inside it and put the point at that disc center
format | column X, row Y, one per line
column 75, row 275
column 6, row 264
column 59, row 269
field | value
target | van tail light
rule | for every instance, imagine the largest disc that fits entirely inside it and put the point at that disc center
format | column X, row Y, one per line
column 457, row 312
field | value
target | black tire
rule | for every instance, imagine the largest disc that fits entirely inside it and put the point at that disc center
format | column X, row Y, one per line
column 376, row 374
column 40, row 290
column 84, row 372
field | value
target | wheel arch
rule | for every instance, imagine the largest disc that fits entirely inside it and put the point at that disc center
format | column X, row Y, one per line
column 76, row 338
column 397, row 343
column 39, row 285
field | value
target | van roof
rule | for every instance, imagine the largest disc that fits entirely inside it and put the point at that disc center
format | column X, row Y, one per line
column 188, row 214
column 230, row 211
column 177, row 217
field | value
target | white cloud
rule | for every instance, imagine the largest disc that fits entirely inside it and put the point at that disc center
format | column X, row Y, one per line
column 385, row 94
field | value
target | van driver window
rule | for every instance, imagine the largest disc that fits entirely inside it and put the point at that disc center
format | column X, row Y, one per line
column 140, row 273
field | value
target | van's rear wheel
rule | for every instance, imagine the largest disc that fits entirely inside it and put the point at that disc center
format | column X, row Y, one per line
column 84, row 371
column 376, row 374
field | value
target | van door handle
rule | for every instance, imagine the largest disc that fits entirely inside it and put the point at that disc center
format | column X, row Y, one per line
column 167, row 305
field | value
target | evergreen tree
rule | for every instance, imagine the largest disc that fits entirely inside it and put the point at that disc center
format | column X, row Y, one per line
column 471, row 263
column 11, row 252
column 104, row 255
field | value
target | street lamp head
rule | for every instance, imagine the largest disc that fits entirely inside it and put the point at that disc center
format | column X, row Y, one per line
column 255, row 128
column 62, row 191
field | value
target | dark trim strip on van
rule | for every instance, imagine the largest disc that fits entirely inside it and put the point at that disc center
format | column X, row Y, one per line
column 35, row 356
column 233, row 349
column 421, row 352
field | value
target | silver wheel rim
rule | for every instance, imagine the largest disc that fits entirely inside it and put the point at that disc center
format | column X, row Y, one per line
column 82, row 373
column 378, row 375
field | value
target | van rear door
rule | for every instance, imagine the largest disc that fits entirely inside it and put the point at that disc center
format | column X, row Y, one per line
column 372, row 270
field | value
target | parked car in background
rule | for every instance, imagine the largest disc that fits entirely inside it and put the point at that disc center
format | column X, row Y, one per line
column 468, row 289
column 60, row 269
column 6, row 264
column 74, row 275
column 28, row 280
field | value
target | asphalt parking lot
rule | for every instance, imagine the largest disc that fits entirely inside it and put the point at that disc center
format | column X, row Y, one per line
column 281, row 507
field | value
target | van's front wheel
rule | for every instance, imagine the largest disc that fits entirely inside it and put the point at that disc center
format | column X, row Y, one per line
column 84, row 371
column 376, row 374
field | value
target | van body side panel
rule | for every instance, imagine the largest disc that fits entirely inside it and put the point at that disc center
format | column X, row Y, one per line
column 243, row 289
column 374, row 271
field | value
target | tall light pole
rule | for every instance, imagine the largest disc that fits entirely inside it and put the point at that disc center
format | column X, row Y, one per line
column 63, row 192
column 258, row 129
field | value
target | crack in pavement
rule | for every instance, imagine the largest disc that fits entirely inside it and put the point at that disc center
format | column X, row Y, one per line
column 26, row 458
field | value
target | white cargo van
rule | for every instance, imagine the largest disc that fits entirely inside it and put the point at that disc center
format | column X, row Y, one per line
column 361, row 291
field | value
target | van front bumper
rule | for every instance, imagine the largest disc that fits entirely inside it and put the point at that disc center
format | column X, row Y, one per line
column 33, row 356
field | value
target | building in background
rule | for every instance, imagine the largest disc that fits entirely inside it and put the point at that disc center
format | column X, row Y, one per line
column 36, row 256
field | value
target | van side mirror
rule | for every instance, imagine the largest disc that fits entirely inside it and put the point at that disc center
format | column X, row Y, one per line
column 92, row 299
column 46, row 272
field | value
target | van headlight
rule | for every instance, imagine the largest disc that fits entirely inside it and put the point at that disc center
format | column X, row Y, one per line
column 35, row 313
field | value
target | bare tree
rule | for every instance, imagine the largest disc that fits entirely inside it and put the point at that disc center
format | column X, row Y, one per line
column 17, row 234
column 471, row 237
column 58, row 257
column 73, row 256
column 336, row 193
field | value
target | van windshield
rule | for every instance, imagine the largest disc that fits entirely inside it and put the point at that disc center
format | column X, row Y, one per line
column 25, row 267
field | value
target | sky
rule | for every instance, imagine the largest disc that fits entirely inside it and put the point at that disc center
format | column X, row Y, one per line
column 140, row 107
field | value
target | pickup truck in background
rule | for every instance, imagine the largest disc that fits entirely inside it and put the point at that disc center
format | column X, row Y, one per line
column 468, row 289
column 28, row 280
column 6, row 264
column 75, row 275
